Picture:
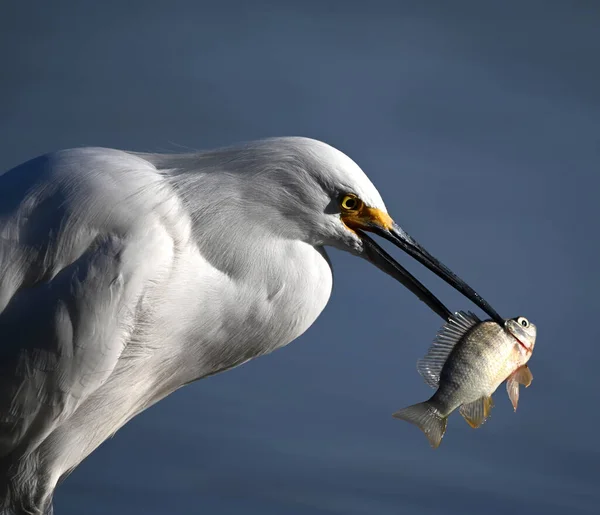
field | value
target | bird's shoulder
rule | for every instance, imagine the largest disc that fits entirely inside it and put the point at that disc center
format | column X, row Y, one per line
column 54, row 207
column 79, row 246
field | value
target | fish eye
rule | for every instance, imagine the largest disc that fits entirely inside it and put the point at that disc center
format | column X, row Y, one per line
column 523, row 321
column 350, row 203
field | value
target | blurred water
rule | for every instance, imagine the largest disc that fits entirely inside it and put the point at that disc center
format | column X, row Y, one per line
column 480, row 125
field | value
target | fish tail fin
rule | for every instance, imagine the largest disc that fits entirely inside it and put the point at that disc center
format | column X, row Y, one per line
column 427, row 418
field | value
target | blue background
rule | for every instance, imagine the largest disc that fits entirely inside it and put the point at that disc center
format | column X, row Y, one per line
column 480, row 124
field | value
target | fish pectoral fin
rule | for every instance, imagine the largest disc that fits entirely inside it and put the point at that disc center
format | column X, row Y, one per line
column 520, row 376
column 476, row 412
column 512, row 388
column 523, row 376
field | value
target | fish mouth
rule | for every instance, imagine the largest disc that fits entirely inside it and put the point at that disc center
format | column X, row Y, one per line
column 380, row 258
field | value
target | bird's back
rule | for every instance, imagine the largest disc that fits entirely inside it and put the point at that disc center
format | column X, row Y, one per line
column 81, row 234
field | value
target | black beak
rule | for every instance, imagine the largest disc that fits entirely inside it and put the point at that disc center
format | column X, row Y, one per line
column 380, row 258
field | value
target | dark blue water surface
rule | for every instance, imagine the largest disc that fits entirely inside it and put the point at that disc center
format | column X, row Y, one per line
column 479, row 122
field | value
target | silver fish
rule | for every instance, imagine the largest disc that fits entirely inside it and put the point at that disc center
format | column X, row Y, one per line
column 466, row 363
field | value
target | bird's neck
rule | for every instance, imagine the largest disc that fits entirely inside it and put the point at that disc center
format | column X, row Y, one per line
column 243, row 287
column 218, row 322
column 232, row 229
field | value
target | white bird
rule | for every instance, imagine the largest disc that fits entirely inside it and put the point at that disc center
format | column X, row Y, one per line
column 124, row 276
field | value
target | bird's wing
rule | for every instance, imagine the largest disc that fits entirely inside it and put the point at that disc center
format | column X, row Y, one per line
column 82, row 233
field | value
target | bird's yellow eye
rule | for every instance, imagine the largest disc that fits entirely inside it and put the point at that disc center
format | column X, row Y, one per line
column 350, row 203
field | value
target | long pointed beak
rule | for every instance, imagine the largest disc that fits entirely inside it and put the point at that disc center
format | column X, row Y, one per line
column 386, row 263
column 401, row 239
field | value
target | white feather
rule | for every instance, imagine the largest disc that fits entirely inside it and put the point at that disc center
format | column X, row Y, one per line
column 124, row 276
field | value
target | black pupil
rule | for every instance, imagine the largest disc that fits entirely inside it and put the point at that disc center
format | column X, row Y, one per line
column 524, row 323
column 350, row 203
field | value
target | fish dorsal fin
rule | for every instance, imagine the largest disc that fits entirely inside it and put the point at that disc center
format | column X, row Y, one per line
column 520, row 376
column 476, row 412
column 430, row 367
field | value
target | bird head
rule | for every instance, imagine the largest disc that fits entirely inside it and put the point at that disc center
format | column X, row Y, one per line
column 334, row 203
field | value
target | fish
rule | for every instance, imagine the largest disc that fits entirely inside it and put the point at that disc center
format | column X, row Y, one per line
column 466, row 363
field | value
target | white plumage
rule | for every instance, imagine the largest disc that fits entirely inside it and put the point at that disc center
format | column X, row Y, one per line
column 124, row 276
